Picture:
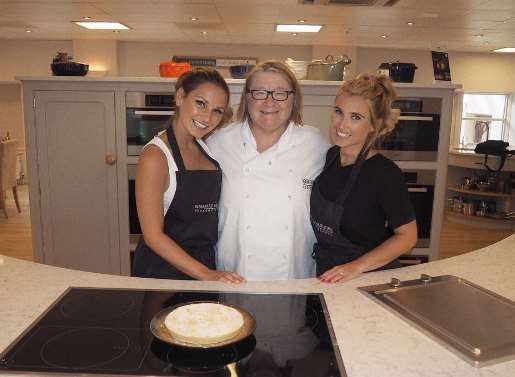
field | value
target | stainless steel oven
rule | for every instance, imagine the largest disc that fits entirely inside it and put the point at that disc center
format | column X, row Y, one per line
column 416, row 135
column 421, row 188
column 146, row 114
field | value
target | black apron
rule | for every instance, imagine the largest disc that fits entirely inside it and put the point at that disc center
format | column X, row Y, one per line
column 332, row 248
column 191, row 221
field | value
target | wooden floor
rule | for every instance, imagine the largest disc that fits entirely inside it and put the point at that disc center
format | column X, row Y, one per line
column 15, row 235
column 16, row 241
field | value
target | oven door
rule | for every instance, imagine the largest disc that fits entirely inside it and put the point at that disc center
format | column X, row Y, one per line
column 422, row 200
column 414, row 138
column 143, row 124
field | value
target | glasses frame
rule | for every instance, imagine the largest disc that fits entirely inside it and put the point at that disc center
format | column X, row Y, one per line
column 270, row 93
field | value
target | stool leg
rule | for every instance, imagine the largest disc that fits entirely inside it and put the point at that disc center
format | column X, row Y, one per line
column 2, row 203
column 15, row 194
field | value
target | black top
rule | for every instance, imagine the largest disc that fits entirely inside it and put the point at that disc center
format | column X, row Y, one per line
column 378, row 203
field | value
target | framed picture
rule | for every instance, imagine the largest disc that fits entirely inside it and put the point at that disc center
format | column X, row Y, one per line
column 441, row 65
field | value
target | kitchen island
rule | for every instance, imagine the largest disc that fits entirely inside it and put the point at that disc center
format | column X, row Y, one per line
column 373, row 342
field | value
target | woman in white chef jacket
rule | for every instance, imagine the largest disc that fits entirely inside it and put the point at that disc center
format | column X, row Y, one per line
column 269, row 160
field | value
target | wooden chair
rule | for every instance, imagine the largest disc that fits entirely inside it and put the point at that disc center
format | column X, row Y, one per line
column 8, row 172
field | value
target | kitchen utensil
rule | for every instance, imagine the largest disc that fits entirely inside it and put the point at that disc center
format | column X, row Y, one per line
column 473, row 322
column 240, row 71
column 298, row 67
column 158, row 328
column 69, row 69
column 328, row 69
column 173, row 69
column 468, row 209
column 399, row 72
column 457, row 205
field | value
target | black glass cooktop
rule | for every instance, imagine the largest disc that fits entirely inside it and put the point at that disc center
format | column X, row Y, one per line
column 106, row 331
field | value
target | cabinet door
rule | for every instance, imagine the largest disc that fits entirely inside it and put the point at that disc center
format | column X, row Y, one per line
column 75, row 133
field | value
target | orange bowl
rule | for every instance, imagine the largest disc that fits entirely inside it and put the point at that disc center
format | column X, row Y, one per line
column 172, row 69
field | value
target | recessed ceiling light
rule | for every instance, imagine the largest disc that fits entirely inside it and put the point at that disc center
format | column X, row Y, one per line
column 203, row 32
column 294, row 34
column 410, row 23
column 384, row 36
column 478, row 35
column 301, row 20
column 28, row 31
column 505, row 49
column 86, row 18
column 298, row 28
column 102, row 25
column 194, row 18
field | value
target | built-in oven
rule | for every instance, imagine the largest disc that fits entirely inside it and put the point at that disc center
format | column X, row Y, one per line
column 416, row 135
column 146, row 115
column 421, row 188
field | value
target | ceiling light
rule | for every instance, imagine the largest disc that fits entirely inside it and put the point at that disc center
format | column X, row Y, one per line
column 301, row 20
column 505, row 49
column 478, row 35
column 194, row 18
column 28, row 31
column 410, row 23
column 298, row 28
column 86, row 18
column 102, row 25
column 203, row 32
column 294, row 34
column 384, row 36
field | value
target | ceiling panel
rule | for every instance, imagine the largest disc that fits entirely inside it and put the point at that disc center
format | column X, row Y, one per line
column 450, row 23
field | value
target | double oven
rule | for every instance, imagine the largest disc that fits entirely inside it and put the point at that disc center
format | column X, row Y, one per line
column 146, row 115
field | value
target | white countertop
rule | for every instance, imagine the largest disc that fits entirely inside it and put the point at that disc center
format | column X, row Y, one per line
column 150, row 79
column 373, row 342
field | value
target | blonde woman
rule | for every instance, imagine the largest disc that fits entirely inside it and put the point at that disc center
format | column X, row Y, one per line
column 360, row 207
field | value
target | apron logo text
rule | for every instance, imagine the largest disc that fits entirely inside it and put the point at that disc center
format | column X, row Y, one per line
column 321, row 228
column 205, row 208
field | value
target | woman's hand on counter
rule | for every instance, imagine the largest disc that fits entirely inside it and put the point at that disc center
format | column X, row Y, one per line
column 223, row 276
column 342, row 272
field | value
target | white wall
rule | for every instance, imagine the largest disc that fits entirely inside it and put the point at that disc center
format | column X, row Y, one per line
column 475, row 71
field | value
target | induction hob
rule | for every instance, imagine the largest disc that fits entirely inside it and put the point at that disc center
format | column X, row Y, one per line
column 91, row 331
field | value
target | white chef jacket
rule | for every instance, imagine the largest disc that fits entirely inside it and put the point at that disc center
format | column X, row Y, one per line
column 264, row 227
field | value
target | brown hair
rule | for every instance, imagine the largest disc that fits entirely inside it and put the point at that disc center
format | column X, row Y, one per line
column 379, row 93
column 282, row 69
column 191, row 80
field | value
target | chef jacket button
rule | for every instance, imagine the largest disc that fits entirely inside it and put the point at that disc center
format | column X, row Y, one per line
column 291, row 170
column 286, row 227
column 269, row 162
column 247, row 196
column 289, row 197
column 248, row 227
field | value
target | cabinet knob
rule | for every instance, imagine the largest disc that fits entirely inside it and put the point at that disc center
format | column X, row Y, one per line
column 110, row 159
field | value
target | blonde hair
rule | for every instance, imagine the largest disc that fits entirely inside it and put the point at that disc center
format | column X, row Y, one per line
column 379, row 93
column 243, row 115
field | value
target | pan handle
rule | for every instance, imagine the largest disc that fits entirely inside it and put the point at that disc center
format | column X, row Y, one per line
column 232, row 370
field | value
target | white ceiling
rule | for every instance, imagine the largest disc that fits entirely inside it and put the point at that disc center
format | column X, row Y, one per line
column 453, row 25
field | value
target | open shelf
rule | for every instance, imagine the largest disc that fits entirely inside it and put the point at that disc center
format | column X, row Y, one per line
column 479, row 221
column 481, row 193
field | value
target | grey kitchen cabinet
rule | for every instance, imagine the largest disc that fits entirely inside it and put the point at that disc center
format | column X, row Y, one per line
column 73, row 155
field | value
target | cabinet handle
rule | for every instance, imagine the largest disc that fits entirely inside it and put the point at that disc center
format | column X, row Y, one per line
column 110, row 159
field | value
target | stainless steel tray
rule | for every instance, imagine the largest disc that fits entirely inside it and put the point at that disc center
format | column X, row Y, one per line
column 475, row 323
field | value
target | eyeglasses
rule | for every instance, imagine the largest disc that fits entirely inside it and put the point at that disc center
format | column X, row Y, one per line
column 277, row 95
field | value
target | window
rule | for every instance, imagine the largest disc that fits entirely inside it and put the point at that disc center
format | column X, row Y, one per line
column 485, row 116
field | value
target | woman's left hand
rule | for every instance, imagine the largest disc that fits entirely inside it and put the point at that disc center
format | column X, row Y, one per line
column 341, row 273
